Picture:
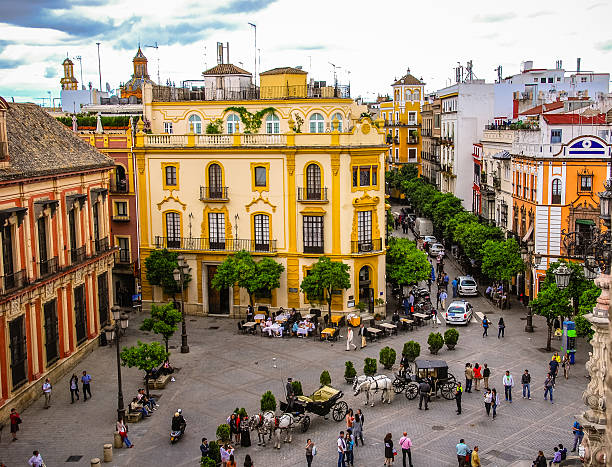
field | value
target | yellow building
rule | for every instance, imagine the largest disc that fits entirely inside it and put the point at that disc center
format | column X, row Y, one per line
column 309, row 183
column 402, row 116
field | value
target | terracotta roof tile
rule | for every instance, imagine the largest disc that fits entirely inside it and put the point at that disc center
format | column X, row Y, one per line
column 574, row 119
column 226, row 69
column 409, row 80
column 540, row 109
column 284, row 71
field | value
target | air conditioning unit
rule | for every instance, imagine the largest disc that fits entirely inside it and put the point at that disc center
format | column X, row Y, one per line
column 366, row 247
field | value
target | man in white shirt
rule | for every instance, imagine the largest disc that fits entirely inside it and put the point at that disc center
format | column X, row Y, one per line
column 36, row 460
column 508, row 385
column 341, row 450
column 349, row 339
column 46, row 389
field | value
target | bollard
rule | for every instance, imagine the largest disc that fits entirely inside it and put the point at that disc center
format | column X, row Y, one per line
column 118, row 442
column 95, row 462
column 108, row 453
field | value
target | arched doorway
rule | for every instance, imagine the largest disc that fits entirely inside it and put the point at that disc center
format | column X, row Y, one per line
column 366, row 292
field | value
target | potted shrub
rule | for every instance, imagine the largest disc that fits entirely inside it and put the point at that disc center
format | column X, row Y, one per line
column 214, row 453
column 387, row 357
column 435, row 342
column 377, row 317
column 369, row 367
column 242, row 412
column 207, row 462
column 297, row 388
column 411, row 350
column 325, row 379
column 361, row 306
column 349, row 372
column 223, row 433
column 268, row 402
column 451, row 336
column 380, row 307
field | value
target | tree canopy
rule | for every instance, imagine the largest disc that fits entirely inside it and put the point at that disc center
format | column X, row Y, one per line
column 588, row 300
column 324, row 277
column 159, row 266
column 145, row 357
column 551, row 303
column 163, row 321
column 406, row 264
column 501, row 261
column 471, row 237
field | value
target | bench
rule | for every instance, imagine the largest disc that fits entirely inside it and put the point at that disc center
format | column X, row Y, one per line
column 160, row 382
column 133, row 417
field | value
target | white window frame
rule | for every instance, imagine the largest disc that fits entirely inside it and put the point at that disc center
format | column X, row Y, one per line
column 338, row 116
column 168, row 127
column 396, row 154
column 195, row 124
column 412, row 151
column 316, row 123
column 272, row 124
column 233, row 124
column 412, row 118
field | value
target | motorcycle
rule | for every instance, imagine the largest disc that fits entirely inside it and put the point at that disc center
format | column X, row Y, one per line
column 176, row 435
column 177, row 432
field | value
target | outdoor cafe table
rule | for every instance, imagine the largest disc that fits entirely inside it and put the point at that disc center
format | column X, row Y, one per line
column 249, row 326
column 353, row 319
column 373, row 332
column 327, row 332
column 421, row 318
column 308, row 316
column 281, row 318
column 366, row 317
column 275, row 328
column 407, row 322
column 389, row 327
column 336, row 318
column 259, row 317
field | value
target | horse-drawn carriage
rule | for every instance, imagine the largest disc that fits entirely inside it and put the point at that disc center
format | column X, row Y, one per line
column 434, row 371
column 323, row 401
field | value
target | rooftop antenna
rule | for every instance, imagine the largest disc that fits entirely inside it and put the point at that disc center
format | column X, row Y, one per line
column 470, row 71
column 255, row 54
column 99, row 67
column 80, row 59
column 459, row 73
column 499, row 73
column 205, row 64
column 156, row 47
column 335, row 76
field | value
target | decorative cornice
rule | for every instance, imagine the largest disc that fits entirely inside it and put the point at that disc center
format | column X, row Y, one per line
column 168, row 198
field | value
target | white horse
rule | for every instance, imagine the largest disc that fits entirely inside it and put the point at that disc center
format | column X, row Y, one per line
column 371, row 385
column 264, row 424
column 284, row 429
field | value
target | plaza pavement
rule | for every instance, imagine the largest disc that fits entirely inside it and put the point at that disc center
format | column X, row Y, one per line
column 225, row 370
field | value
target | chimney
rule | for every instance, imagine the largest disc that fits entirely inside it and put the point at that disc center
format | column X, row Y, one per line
column 4, row 155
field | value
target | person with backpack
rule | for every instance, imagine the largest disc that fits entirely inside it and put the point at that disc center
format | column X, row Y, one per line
column 485, row 326
column 549, row 383
column 486, row 374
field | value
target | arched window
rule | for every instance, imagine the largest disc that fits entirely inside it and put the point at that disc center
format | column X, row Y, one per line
column 120, row 179
column 262, row 232
column 195, row 124
column 272, row 124
column 173, row 229
column 313, row 182
column 316, row 123
column 556, row 191
column 215, row 181
column 232, row 123
column 337, row 116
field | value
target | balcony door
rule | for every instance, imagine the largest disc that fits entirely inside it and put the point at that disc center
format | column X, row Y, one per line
column 173, row 229
column 313, row 182
column 215, row 182
column 18, row 351
column 103, row 299
column 80, row 314
column 364, row 230
column 7, row 257
column 51, row 332
column 42, row 245
column 216, row 230
column 262, row 232
column 218, row 300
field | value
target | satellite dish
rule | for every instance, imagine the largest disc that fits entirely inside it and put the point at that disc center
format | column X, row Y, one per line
column 108, row 88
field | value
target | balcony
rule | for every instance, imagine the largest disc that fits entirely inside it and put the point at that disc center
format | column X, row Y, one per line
column 119, row 186
column 400, row 123
column 368, row 246
column 120, row 218
column 78, row 255
column 213, row 193
column 122, row 256
column 315, row 195
column 319, row 249
column 13, row 281
column 221, row 244
column 101, row 245
column 48, row 267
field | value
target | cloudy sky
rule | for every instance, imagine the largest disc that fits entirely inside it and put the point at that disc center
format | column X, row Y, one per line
column 373, row 42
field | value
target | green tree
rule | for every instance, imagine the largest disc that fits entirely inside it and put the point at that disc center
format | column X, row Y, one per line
column 145, row 357
column 472, row 237
column 163, row 321
column 267, row 402
column 406, row 264
column 462, row 217
column 578, row 284
column 551, row 303
column 251, row 121
column 159, row 266
column 324, row 277
column 448, row 207
column 501, row 261
column 588, row 300
column 254, row 277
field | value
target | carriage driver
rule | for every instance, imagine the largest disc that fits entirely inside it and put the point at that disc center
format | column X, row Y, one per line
column 290, row 395
column 404, row 366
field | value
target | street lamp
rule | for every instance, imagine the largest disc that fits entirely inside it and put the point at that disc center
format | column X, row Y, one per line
column 179, row 277
column 113, row 332
column 605, row 203
column 562, row 276
column 533, row 261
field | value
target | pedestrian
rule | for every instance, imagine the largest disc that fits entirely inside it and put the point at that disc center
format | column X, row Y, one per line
column 494, row 402
column 434, row 317
column 235, row 427
column 556, row 460
column 86, row 380
column 46, row 389
column 526, row 382
column 477, row 376
column 500, row 327
column 231, row 462
column 475, row 457
column 508, row 381
column 553, row 365
column 469, row 376
column 540, row 461
column 443, row 297
column 247, row 461
column 455, row 285
column 15, row 422
column 122, row 429
column 578, row 433
column 458, row 393
column 310, row 452
column 36, row 460
column 350, row 442
column 362, row 333
column 566, row 365
column 389, row 451
column 358, row 427
column 424, row 389
column 350, row 419
column 74, row 388
column 549, row 383
column 563, row 452
column 405, row 443
column 462, row 451
column 445, row 281
column 486, row 373
column 349, row 339
column 341, row 450
column 488, row 397
column 204, row 448
column 485, row 326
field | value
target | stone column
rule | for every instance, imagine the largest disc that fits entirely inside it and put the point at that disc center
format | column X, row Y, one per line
column 594, row 418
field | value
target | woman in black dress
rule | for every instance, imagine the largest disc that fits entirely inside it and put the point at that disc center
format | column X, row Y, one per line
column 245, row 433
column 388, row 449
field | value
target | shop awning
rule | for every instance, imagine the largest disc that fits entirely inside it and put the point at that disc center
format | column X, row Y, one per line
column 528, row 234
column 585, row 221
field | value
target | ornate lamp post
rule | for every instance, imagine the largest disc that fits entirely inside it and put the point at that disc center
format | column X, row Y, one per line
column 532, row 261
column 113, row 332
column 179, row 277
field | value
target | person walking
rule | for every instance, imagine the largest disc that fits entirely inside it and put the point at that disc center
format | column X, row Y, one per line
column 501, row 326
column 349, row 419
column 494, row 402
column 553, row 365
column 341, row 450
column 578, row 433
column 455, row 285
column 46, row 389
column 485, row 326
column 86, row 380
column 443, row 297
column 15, row 422
column 362, row 333
column 526, row 382
column 349, row 339
column 122, row 430
column 487, row 401
column 74, row 388
column 310, row 452
column 458, row 394
column 566, row 365
column 388, row 449
column 434, row 318
column 486, row 374
column 462, row 451
column 424, row 389
column 350, row 442
column 477, row 376
column 406, row 444
column 549, row 383
column 475, row 457
column 358, row 428
column 508, row 381
column 469, row 376
column 36, row 460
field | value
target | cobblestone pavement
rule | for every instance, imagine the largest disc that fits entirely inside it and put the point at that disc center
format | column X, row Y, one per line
column 225, row 370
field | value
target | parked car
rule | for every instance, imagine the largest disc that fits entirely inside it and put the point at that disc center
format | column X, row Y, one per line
column 435, row 249
column 429, row 240
column 459, row 312
column 423, row 226
column 467, row 286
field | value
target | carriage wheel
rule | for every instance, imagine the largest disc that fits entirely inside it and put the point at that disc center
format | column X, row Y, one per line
column 412, row 390
column 448, row 390
column 398, row 386
column 339, row 411
column 305, row 423
column 451, row 378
